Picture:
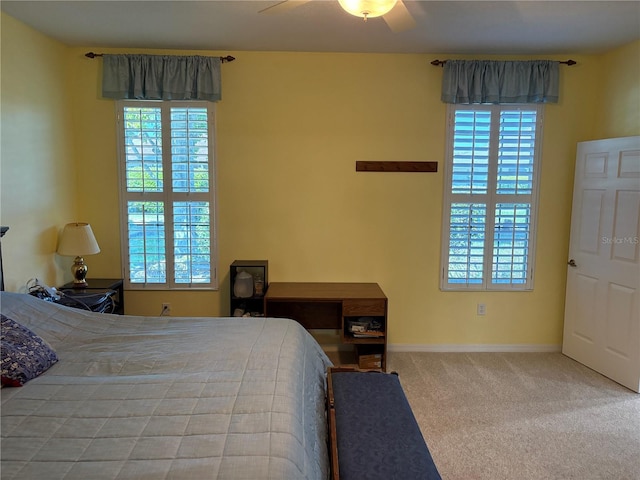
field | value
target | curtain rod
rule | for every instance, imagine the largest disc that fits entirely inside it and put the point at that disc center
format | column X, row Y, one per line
column 442, row 62
column 228, row 58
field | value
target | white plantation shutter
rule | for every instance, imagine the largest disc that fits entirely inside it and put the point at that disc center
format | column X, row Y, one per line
column 511, row 243
column 471, row 152
column 146, row 243
column 167, row 194
column 490, row 197
column 192, row 242
column 466, row 243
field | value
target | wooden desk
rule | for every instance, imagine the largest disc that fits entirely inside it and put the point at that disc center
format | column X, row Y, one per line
column 334, row 306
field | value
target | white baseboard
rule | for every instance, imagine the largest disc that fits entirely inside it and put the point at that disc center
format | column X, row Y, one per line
column 522, row 348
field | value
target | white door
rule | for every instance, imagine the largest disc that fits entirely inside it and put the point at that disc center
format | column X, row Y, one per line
column 602, row 313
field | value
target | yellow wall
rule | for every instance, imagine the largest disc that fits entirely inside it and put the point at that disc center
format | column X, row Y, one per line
column 37, row 169
column 290, row 128
column 620, row 102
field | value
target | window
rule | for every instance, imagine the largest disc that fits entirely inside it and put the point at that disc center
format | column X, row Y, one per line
column 490, row 198
column 167, row 194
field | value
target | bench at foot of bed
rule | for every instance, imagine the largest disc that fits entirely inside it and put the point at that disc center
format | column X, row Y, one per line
column 373, row 433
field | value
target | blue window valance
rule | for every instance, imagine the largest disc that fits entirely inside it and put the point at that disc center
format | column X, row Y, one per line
column 161, row 77
column 488, row 81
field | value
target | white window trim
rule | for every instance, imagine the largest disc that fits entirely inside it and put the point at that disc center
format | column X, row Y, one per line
column 167, row 197
column 449, row 198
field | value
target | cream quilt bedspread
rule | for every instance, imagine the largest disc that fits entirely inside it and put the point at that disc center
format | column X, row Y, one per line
column 166, row 398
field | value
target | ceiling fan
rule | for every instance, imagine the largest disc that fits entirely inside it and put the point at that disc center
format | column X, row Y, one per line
column 394, row 12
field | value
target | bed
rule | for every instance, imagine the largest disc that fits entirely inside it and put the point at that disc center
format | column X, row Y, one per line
column 165, row 398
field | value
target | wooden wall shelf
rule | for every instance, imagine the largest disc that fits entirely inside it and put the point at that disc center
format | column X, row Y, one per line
column 364, row 166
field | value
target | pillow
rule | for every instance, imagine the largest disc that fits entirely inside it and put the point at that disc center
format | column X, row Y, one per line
column 24, row 354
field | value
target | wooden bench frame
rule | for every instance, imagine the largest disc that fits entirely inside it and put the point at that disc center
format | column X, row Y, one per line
column 331, row 420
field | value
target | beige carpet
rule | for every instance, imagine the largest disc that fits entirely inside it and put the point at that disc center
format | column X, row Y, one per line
column 521, row 416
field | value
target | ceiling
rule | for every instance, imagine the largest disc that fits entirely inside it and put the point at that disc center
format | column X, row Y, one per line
column 452, row 27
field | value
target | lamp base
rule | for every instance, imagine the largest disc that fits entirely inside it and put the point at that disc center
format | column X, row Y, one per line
column 79, row 272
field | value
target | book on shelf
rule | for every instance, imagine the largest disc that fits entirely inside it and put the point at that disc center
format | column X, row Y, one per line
column 368, row 334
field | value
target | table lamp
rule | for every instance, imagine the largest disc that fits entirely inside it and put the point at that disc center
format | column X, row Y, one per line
column 77, row 239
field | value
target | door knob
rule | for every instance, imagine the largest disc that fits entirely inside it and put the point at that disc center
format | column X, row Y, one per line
column 572, row 263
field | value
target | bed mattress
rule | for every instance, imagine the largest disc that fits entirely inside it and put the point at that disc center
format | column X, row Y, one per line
column 166, row 397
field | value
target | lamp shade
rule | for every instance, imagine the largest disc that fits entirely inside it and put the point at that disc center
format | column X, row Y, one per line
column 77, row 239
column 367, row 8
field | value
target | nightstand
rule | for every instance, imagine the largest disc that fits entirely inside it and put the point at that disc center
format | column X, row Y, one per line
column 101, row 285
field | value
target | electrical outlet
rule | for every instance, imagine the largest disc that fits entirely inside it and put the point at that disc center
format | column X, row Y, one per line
column 481, row 309
column 166, row 309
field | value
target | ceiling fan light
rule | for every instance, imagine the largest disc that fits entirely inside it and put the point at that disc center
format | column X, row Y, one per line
column 367, row 8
